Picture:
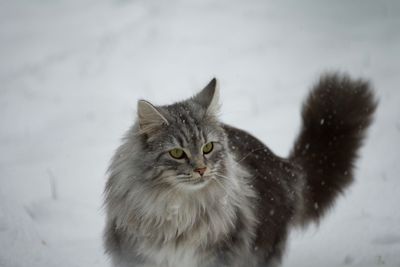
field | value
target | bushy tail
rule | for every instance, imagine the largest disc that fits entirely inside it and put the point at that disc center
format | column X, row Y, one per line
column 335, row 118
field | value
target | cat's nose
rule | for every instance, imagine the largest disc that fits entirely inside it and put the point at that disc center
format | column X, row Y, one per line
column 201, row 170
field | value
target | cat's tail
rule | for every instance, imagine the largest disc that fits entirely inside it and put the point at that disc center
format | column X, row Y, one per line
column 335, row 117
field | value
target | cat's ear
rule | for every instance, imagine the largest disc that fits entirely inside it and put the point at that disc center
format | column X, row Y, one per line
column 209, row 97
column 150, row 119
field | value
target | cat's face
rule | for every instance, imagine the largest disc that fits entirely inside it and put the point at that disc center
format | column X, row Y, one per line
column 185, row 142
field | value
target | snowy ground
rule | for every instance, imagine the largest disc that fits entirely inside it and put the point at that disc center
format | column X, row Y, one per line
column 72, row 71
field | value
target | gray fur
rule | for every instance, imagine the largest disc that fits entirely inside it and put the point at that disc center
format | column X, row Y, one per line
column 152, row 213
column 161, row 213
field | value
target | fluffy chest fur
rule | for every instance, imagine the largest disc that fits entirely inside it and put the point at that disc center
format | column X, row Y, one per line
column 180, row 231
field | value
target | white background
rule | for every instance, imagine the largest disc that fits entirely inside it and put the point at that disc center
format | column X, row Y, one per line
column 72, row 71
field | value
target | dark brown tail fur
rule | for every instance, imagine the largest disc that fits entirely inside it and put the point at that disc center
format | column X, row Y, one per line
column 335, row 118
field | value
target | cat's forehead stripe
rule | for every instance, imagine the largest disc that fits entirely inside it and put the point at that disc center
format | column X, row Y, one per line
column 180, row 141
column 195, row 133
column 187, row 123
column 190, row 129
column 191, row 135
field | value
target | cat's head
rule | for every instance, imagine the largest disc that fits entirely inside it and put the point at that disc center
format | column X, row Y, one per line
column 184, row 141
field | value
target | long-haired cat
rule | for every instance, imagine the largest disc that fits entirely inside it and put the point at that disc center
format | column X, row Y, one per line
column 186, row 190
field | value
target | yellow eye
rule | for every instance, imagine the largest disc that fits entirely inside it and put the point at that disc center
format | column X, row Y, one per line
column 177, row 153
column 207, row 148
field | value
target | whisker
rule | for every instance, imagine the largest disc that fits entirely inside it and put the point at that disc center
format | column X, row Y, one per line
column 183, row 176
column 187, row 180
column 222, row 176
column 220, row 184
column 248, row 154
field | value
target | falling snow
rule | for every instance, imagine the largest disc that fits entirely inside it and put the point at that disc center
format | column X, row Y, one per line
column 72, row 71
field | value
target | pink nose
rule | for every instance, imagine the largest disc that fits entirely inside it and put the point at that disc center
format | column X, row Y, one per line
column 201, row 171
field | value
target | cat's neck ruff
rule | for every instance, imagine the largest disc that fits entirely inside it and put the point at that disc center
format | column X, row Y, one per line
column 182, row 211
column 178, row 224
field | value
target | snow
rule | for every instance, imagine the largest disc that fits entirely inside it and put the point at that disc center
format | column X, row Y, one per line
column 72, row 71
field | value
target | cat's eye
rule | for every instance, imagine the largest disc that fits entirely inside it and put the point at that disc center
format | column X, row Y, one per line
column 177, row 153
column 207, row 148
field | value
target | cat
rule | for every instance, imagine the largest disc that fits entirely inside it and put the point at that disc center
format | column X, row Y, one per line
column 186, row 190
